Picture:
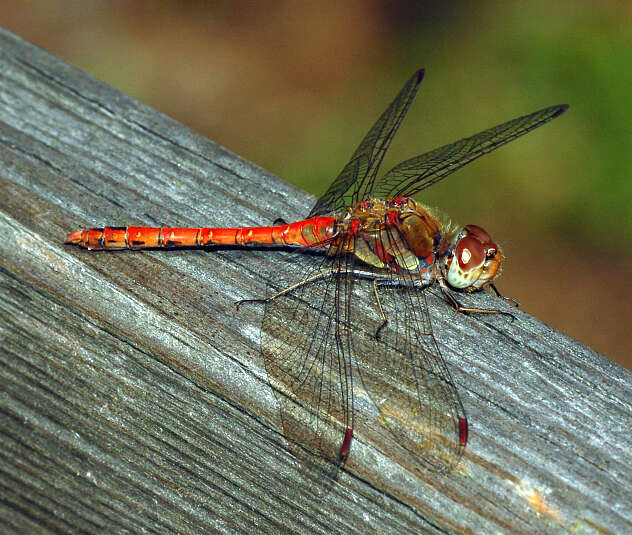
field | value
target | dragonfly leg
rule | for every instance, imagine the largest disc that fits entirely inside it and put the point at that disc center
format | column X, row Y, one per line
column 288, row 289
column 508, row 299
column 379, row 307
column 384, row 282
column 466, row 310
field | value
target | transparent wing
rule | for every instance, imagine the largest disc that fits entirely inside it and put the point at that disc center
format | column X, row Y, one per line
column 419, row 413
column 416, row 174
column 356, row 180
column 320, row 335
column 306, row 349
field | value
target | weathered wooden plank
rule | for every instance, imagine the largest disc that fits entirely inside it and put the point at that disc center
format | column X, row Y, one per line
column 133, row 394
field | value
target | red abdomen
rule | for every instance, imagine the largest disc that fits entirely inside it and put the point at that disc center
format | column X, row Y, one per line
column 315, row 232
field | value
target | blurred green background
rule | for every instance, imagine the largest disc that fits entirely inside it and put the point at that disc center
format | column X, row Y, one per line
column 293, row 86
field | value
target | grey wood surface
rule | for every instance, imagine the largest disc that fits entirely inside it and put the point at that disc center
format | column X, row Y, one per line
column 133, row 396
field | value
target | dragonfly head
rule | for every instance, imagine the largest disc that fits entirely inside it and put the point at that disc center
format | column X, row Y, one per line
column 475, row 260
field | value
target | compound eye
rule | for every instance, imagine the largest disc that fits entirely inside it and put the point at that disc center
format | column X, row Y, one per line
column 479, row 233
column 470, row 253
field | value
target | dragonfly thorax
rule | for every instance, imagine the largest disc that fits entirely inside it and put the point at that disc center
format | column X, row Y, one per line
column 397, row 234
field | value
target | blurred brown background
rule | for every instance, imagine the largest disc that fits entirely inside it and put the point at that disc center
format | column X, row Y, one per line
column 293, row 86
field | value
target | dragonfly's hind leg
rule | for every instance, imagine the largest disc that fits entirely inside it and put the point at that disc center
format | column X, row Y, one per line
column 288, row 289
column 466, row 310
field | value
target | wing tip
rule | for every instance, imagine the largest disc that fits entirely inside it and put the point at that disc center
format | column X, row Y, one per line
column 420, row 75
column 559, row 110
column 555, row 111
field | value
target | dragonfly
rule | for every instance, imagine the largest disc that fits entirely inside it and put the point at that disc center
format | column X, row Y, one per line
column 350, row 325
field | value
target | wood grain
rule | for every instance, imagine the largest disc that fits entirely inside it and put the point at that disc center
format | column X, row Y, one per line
column 134, row 397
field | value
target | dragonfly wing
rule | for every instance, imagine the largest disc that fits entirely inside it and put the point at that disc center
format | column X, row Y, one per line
column 419, row 413
column 416, row 174
column 322, row 333
column 355, row 182
column 305, row 345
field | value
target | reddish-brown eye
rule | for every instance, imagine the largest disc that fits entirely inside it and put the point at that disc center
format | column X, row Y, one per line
column 478, row 233
column 470, row 253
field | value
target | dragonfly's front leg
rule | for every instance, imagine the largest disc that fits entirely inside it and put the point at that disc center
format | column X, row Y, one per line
column 511, row 300
column 466, row 310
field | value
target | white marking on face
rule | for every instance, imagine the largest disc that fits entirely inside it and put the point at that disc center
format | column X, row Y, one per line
column 465, row 256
